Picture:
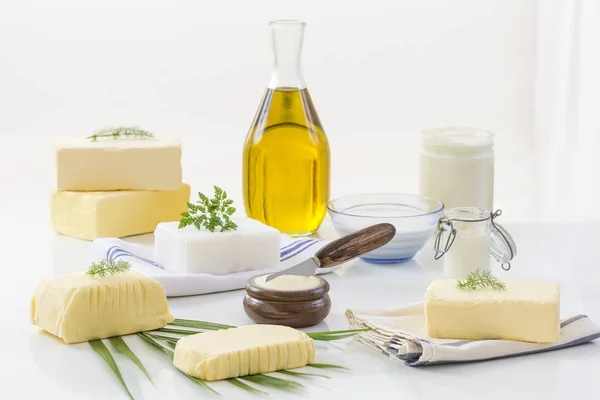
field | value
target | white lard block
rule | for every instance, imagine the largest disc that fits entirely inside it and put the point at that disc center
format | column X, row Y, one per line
column 188, row 250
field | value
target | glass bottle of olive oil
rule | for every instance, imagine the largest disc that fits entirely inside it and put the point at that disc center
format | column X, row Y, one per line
column 286, row 155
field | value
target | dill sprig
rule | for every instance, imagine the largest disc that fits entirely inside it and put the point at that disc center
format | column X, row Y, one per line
column 108, row 267
column 122, row 132
column 480, row 279
column 210, row 213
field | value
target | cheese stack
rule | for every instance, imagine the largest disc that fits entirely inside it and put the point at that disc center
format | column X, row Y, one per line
column 116, row 187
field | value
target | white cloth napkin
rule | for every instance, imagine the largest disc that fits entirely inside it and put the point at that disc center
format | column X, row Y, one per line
column 403, row 336
column 141, row 257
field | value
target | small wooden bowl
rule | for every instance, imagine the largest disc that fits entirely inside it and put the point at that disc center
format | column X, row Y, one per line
column 296, row 309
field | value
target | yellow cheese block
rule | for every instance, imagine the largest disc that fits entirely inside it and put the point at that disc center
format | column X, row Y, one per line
column 77, row 308
column 82, row 164
column 246, row 350
column 526, row 311
column 91, row 215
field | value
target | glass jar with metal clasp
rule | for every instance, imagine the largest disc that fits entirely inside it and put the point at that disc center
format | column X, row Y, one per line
column 467, row 236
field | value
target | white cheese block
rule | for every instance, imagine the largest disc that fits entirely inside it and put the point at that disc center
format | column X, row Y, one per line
column 153, row 164
column 92, row 215
column 253, row 245
column 78, row 308
column 247, row 350
column 526, row 311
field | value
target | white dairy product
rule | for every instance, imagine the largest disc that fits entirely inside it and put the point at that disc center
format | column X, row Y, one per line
column 457, row 167
column 253, row 245
column 85, row 165
column 470, row 250
column 288, row 282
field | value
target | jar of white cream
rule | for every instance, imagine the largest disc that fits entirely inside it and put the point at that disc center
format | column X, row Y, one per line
column 467, row 236
column 456, row 167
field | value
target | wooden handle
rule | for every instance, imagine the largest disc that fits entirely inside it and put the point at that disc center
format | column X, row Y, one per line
column 355, row 244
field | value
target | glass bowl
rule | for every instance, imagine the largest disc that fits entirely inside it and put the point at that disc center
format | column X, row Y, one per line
column 414, row 217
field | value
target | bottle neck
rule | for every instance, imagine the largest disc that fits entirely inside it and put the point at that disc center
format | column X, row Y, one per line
column 287, row 48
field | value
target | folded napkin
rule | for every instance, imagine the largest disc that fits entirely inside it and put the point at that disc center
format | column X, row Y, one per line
column 141, row 257
column 402, row 335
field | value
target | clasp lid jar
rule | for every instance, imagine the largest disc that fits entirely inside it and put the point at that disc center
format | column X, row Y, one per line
column 467, row 236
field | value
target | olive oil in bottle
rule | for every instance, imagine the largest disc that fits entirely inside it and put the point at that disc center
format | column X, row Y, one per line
column 286, row 164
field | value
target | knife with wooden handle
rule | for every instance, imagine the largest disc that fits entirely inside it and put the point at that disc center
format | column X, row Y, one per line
column 342, row 250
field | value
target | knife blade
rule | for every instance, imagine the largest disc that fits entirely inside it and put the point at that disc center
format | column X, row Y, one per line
column 342, row 250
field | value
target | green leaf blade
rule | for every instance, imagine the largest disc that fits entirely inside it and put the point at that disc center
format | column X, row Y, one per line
column 336, row 335
column 201, row 383
column 177, row 331
column 326, row 366
column 157, row 345
column 121, row 346
column 302, row 374
column 100, row 348
column 273, row 382
column 148, row 339
column 245, row 386
column 209, row 326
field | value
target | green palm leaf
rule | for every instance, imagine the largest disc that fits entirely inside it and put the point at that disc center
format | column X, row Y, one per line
column 301, row 374
column 190, row 323
column 171, row 355
column 122, row 348
column 177, row 331
column 326, row 366
column 156, row 344
column 336, row 335
column 101, row 349
column 244, row 386
column 271, row 381
column 171, row 341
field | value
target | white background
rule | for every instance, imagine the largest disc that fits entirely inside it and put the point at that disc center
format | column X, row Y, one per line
column 378, row 73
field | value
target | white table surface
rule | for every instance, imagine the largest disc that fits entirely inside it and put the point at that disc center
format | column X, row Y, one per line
column 37, row 365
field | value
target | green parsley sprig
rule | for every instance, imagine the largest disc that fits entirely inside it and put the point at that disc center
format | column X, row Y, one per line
column 123, row 132
column 480, row 279
column 108, row 267
column 210, row 213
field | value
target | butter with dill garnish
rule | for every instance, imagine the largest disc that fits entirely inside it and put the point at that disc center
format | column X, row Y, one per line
column 83, row 164
column 527, row 311
column 78, row 307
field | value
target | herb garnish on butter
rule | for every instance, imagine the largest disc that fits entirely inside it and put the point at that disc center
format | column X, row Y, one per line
column 210, row 213
column 480, row 279
column 108, row 267
column 123, row 132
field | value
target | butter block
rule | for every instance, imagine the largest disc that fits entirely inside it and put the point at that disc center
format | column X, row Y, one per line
column 83, row 165
column 188, row 250
column 526, row 311
column 77, row 308
column 91, row 215
column 246, row 350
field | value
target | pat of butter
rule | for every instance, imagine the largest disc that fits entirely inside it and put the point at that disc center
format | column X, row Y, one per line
column 153, row 164
column 526, row 311
column 288, row 282
column 246, row 350
column 253, row 245
column 78, row 308
column 91, row 215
